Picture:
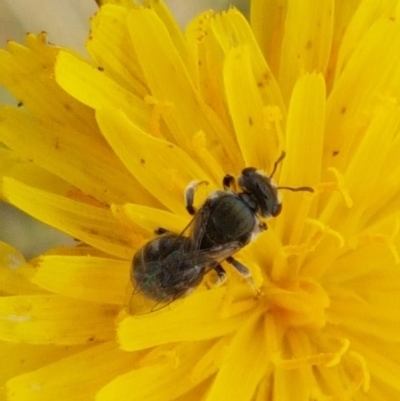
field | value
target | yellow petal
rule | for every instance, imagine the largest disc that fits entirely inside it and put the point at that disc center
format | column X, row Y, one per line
column 382, row 366
column 110, row 47
column 196, row 316
column 257, row 140
column 372, row 320
column 11, row 165
column 174, row 30
column 292, row 385
column 307, row 41
column 388, row 193
column 28, row 72
column 162, row 167
column 72, row 378
column 50, row 319
column 364, row 262
column 160, row 381
column 63, row 151
column 245, row 73
column 207, row 61
column 170, row 83
column 93, row 225
column 124, row 3
column 151, row 219
column 232, row 30
column 364, row 16
column 350, row 107
column 269, row 35
column 96, row 279
column 343, row 15
column 23, row 358
column 93, row 88
column 304, row 133
column 244, row 363
column 15, row 273
column 304, row 145
column 362, row 178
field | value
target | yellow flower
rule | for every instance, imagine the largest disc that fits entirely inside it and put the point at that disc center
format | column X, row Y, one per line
column 102, row 149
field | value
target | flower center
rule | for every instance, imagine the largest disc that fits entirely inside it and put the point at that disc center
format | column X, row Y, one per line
column 299, row 303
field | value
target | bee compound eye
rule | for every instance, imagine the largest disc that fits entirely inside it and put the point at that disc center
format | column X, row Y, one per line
column 276, row 210
column 248, row 171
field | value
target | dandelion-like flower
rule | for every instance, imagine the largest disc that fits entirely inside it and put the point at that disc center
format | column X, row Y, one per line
column 103, row 149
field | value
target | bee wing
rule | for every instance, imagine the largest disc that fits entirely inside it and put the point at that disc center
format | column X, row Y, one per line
column 218, row 253
column 196, row 226
column 199, row 226
column 138, row 303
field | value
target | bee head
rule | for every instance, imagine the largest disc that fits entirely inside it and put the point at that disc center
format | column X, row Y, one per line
column 260, row 192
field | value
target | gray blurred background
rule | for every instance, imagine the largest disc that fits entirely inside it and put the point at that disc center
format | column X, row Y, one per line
column 67, row 24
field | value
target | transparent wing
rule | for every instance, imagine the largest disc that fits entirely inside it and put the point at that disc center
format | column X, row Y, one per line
column 137, row 303
column 202, row 261
column 197, row 226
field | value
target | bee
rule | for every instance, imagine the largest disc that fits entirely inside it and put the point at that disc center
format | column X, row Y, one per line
column 168, row 267
column 172, row 265
column 228, row 216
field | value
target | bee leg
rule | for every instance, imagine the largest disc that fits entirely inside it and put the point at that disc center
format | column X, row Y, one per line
column 221, row 277
column 259, row 227
column 161, row 231
column 262, row 226
column 189, row 195
column 228, row 182
column 240, row 268
column 243, row 271
column 221, row 274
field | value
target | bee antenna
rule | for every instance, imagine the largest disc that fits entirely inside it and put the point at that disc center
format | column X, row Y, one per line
column 298, row 189
column 276, row 164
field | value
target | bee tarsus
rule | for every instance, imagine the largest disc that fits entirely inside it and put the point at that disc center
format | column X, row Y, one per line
column 189, row 195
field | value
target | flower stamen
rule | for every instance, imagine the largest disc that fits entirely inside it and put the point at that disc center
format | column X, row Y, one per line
column 336, row 186
column 380, row 239
column 201, row 149
column 384, row 239
column 302, row 303
column 327, row 359
column 273, row 117
column 323, row 230
column 158, row 111
column 363, row 378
